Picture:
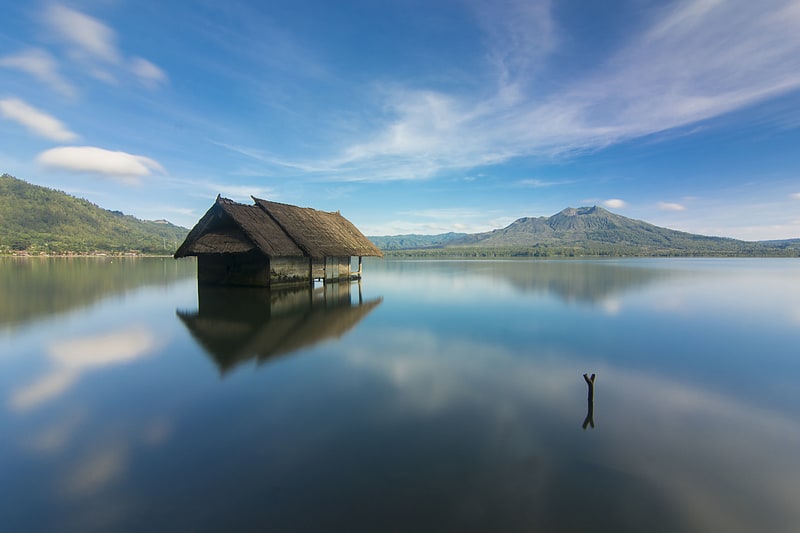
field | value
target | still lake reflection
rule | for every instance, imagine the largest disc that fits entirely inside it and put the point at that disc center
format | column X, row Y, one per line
column 434, row 396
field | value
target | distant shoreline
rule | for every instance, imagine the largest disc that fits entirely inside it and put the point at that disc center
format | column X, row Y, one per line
column 562, row 253
column 448, row 253
column 98, row 255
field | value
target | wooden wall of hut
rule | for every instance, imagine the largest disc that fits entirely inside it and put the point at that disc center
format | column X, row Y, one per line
column 249, row 269
column 252, row 269
column 318, row 268
column 337, row 268
column 288, row 271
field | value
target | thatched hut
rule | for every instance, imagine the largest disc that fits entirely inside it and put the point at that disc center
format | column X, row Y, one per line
column 270, row 244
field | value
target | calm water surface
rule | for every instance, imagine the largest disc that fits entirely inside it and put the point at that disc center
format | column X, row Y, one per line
column 435, row 396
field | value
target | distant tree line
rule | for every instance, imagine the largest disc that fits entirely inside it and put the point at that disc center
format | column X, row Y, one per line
column 598, row 250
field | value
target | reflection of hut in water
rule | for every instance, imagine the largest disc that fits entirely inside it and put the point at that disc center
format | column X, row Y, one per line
column 271, row 244
column 237, row 324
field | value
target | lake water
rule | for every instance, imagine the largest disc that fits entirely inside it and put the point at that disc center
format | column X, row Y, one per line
column 434, row 396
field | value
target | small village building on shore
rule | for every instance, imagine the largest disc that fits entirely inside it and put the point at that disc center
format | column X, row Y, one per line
column 270, row 244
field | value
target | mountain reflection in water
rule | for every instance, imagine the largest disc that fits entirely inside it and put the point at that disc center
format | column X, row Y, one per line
column 235, row 325
column 581, row 281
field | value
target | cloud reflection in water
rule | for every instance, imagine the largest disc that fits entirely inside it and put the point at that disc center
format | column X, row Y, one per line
column 70, row 359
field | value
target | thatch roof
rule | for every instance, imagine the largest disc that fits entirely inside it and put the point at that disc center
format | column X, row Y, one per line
column 235, row 325
column 320, row 233
column 276, row 230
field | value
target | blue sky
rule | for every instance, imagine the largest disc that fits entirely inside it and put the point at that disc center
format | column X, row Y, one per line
column 412, row 116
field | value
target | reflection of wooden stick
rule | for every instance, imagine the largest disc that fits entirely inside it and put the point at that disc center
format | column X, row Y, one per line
column 589, row 420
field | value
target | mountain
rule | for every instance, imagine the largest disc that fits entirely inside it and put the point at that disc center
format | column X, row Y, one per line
column 588, row 231
column 38, row 219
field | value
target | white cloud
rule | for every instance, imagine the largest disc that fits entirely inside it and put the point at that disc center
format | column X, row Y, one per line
column 615, row 203
column 122, row 165
column 35, row 120
column 93, row 45
column 41, row 65
column 669, row 206
column 796, row 196
column 431, row 131
column 87, row 36
column 147, row 73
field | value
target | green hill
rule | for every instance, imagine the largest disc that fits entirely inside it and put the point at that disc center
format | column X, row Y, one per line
column 588, row 231
column 414, row 241
column 38, row 219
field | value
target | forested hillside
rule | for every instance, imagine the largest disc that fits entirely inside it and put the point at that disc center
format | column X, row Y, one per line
column 415, row 241
column 37, row 219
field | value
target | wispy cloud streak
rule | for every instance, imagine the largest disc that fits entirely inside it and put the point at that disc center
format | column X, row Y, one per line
column 671, row 206
column 85, row 35
column 41, row 65
column 34, row 120
column 703, row 59
column 91, row 43
column 694, row 60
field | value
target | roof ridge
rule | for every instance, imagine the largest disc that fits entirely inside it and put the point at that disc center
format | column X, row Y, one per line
column 280, row 224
